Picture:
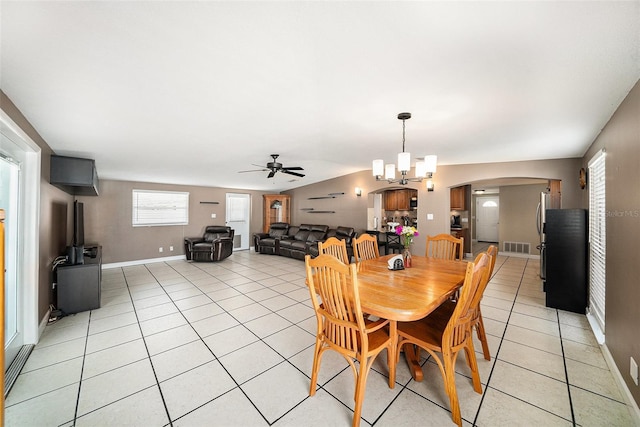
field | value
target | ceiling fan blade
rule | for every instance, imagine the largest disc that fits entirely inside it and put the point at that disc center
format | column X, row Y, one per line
column 271, row 174
column 292, row 173
column 254, row 170
column 293, row 168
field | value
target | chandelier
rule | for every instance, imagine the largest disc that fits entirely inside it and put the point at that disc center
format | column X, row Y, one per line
column 423, row 169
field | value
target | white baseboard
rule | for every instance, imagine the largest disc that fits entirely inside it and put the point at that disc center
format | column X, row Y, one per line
column 631, row 403
column 43, row 324
column 141, row 261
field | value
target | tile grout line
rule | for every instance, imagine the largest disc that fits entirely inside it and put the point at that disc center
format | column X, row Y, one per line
column 566, row 371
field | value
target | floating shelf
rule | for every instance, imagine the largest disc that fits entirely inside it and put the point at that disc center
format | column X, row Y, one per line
column 322, row 211
column 329, row 196
column 209, row 203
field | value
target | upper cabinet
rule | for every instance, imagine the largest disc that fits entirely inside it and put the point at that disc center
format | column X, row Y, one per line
column 460, row 200
column 277, row 208
column 399, row 200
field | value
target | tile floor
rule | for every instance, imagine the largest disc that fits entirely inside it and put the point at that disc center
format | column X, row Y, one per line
column 231, row 344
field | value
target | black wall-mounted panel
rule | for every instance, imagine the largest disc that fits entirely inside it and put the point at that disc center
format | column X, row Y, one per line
column 74, row 175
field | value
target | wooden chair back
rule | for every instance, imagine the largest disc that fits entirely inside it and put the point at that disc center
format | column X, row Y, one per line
column 445, row 246
column 333, row 286
column 365, row 247
column 335, row 247
column 334, row 294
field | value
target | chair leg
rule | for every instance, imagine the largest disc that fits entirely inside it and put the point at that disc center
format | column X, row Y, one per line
column 361, row 386
column 470, row 354
column 317, row 355
column 450, row 387
column 482, row 336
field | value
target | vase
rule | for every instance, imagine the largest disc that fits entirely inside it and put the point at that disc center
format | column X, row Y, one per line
column 406, row 256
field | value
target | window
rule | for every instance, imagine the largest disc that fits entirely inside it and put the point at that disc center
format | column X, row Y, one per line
column 160, row 208
column 597, row 238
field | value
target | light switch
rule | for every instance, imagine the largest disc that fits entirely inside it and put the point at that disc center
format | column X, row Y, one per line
column 213, row 215
column 429, row 217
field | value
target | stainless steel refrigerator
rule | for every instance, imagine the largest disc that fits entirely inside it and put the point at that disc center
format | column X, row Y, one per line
column 540, row 220
column 565, row 259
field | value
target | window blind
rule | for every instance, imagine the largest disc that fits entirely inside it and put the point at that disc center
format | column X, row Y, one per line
column 597, row 238
column 152, row 208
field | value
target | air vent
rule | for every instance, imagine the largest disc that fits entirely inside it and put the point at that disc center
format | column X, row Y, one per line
column 517, row 247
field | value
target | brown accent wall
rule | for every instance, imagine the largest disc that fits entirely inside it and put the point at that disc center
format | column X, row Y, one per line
column 55, row 227
column 621, row 140
column 108, row 220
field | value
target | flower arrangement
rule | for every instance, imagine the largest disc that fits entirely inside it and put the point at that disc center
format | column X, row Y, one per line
column 406, row 234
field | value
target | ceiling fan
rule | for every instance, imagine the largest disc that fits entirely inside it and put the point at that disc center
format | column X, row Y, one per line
column 275, row 166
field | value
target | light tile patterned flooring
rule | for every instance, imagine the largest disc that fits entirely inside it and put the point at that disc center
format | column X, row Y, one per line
column 231, row 344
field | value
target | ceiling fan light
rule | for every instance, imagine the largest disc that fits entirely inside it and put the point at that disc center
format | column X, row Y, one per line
column 378, row 167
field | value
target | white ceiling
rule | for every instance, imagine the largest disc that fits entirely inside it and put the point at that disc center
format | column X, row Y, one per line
column 193, row 92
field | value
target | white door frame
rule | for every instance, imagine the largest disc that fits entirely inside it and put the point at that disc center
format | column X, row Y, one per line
column 17, row 142
column 238, row 217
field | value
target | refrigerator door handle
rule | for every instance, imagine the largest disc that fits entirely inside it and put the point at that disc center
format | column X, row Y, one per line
column 538, row 225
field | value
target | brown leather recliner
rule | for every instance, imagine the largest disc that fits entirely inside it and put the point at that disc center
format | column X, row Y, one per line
column 267, row 243
column 215, row 245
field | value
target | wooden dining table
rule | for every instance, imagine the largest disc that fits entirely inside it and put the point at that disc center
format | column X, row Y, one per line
column 409, row 294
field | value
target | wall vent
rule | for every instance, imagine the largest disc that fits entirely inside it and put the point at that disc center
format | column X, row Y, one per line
column 517, row 247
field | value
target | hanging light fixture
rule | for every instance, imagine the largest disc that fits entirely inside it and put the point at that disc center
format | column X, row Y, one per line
column 423, row 169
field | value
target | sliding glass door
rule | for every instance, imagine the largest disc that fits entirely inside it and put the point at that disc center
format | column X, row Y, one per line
column 9, row 190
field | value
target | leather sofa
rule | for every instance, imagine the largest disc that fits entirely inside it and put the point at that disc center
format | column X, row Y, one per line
column 215, row 245
column 297, row 242
column 343, row 233
column 267, row 243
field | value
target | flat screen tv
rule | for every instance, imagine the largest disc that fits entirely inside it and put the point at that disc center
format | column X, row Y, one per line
column 78, row 223
column 75, row 252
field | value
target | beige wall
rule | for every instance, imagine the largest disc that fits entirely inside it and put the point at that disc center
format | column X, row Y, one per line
column 518, row 205
column 621, row 140
column 55, row 230
column 108, row 220
column 352, row 211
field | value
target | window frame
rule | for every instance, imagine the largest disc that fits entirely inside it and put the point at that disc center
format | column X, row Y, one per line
column 163, row 220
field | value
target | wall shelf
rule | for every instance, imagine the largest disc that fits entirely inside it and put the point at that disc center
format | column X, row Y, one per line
column 209, row 203
column 328, row 196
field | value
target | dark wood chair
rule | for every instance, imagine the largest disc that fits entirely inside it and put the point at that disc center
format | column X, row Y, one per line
column 394, row 243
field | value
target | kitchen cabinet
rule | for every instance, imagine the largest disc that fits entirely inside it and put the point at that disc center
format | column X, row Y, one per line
column 398, row 200
column 277, row 208
column 464, row 233
column 460, row 198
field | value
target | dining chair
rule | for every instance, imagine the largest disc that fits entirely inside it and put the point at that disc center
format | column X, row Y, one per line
column 365, row 247
column 446, row 308
column 394, row 243
column 335, row 247
column 445, row 246
column 447, row 335
column 382, row 244
column 333, row 286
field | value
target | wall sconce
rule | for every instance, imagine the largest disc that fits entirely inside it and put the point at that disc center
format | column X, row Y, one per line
column 358, row 191
column 430, row 186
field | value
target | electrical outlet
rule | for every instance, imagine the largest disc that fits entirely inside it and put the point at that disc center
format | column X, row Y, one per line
column 160, row 250
column 633, row 370
column 170, row 248
column 213, row 215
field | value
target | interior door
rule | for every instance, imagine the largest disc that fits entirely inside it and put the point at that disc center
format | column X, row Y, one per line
column 238, row 217
column 487, row 218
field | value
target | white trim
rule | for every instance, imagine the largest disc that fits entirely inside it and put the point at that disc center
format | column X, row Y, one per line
column 141, row 261
column 30, row 229
column 634, row 411
column 595, row 327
